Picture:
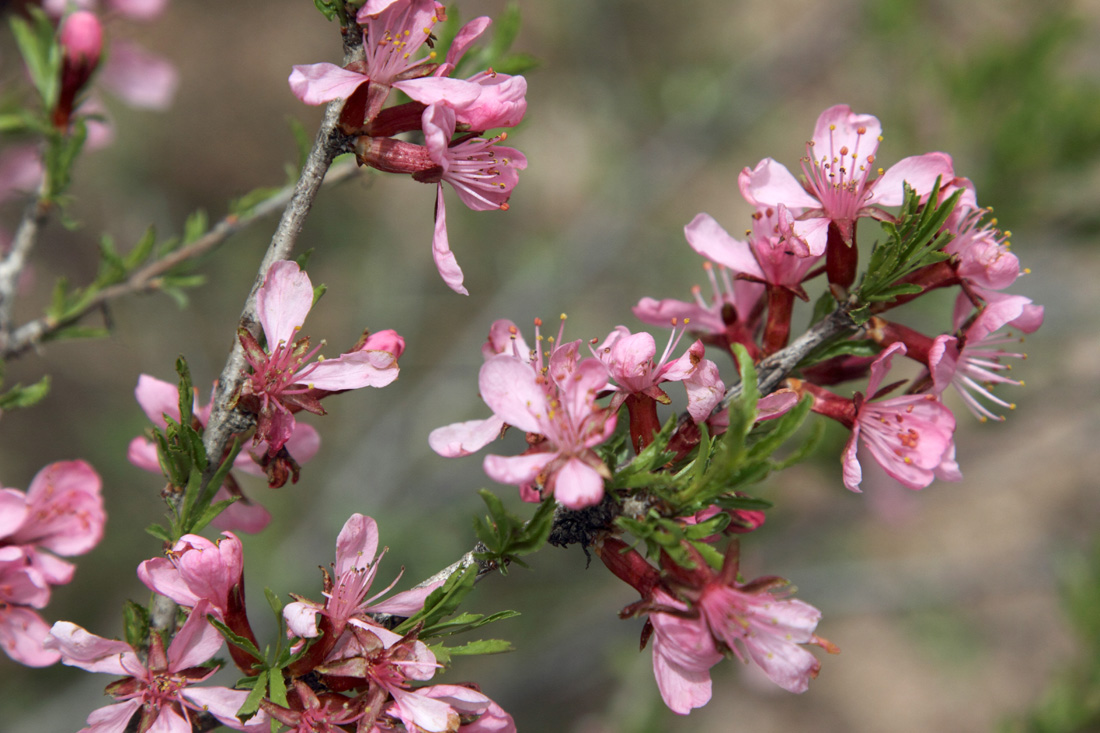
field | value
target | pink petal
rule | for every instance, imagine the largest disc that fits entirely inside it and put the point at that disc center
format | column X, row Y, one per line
column 853, row 473
column 776, row 404
column 771, row 184
column 661, row 312
column 814, row 232
column 157, row 398
column 704, row 390
column 196, row 642
column 509, row 388
column 881, row 365
column 467, row 35
column 223, row 703
column 66, row 509
column 517, row 470
column 112, row 718
column 353, row 371
column 161, row 576
column 357, row 544
column 405, row 603
column 420, row 712
column 301, row 619
column 707, row 237
column 919, row 171
column 839, row 127
column 320, row 83
column 445, row 260
column 242, row 515
column 283, row 302
column 139, row 78
column 463, row 438
column 89, row 652
column 577, row 485
column 139, row 9
column 22, row 635
column 429, row 90
column 13, row 511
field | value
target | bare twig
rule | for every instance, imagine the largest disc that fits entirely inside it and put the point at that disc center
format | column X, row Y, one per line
column 11, row 266
column 148, row 279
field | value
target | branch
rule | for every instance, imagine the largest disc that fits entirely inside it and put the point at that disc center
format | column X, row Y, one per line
column 11, row 266
column 148, row 279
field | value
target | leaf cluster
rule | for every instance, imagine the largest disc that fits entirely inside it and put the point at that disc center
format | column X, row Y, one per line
column 914, row 240
column 506, row 537
column 183, row 462
column 442, row 603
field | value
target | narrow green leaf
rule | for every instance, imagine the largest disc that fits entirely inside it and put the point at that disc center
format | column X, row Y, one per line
column 236, row 640
column 257, row 693
column 481, row 646
column 20, row 396
column 159, row 532
column 141, row 250
column 135, row 624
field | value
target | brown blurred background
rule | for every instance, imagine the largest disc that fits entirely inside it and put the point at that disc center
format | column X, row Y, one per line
column 944, row 602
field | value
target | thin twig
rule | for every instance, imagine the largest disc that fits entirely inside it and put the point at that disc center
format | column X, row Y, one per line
column 148, row 279
column 11, row 266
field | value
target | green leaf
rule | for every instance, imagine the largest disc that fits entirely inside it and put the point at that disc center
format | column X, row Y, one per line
column 41, row 53
column 159, row 532
column 804, row 451
column 258, row 691
column 141, row 250
column 185, row 392
column 135, row 624
column 443, row 601
column 20, row 396
column 481, row 646
column 780, row 429
column 244, row 205
column 236, row 640
column 69, row 333
column 830, row 350
column 464, row 622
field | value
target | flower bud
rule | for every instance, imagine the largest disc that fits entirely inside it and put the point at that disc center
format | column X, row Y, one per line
column 81, row 40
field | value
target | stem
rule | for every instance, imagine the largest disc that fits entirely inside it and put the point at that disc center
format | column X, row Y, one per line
column 147, row 279
column 11, row 266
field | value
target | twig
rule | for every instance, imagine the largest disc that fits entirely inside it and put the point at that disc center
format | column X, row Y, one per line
column 11, row 266
column 147, row 279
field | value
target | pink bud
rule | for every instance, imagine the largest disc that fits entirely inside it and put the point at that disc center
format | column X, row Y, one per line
column 388, row 340
column 82, row 37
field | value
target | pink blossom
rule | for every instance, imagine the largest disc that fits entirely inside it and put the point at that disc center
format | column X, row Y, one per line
column 910, row 436
column 973, row 363
column 392, row 34
column 481, row 172
column 195, row 570
column 630, row 362
column 561, row 407
column 284, row 374
column 732, row 313
column 840, row 183
column 490, row 717
column 346, row 594
column 139, row 78
column 64, row 511
column 162, row 686
column 81, row 37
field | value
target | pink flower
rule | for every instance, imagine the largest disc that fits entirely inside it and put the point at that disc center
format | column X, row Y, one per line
column 482, row 173
column 910, row 436
column 392, row 34
column 346, row 595
column 561, row 407
column 733, row 312
column 283, row 376
column 490, row 717
column 973, row 363
column 61, row 512
column 630, row 362
column 840, row 186
column 684, row 650
column 161, row 688
column 195, row 570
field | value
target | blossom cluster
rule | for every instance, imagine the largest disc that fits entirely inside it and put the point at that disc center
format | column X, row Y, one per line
column 61, row 514
column 450, row 112
column 568, row 405
column 349, row 669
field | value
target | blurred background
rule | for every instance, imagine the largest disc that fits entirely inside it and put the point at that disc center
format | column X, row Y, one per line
column 947, row 604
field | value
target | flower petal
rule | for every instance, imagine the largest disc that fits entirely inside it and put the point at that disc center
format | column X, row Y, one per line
column 320, row 83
